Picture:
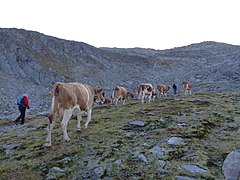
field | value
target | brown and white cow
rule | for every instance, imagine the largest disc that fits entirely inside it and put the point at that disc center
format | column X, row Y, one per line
column 68, row 98
column 119, row 93
column 163, row 89
column 187, row 87
column 145, row 89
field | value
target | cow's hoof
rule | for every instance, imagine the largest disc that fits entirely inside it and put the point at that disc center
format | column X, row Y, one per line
column 48, row 145
column 67, row 139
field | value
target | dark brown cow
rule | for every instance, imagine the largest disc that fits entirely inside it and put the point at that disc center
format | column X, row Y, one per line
column 68, row 97
column 130, row 94
column 107, row 101
column 119, row 93
column 187, row 87
column 145, row 89
column 163, row 89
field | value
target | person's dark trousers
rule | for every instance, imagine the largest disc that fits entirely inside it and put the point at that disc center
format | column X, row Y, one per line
column 22, row 115
column 174, row 91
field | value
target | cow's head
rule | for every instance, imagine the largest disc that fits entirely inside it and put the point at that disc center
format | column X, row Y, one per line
column 147, row 88
column 116, row 88
column 99, row 95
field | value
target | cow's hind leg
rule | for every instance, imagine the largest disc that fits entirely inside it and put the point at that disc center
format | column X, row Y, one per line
column 190, row 92
column 66, row 117
column 124, row 101
column 79, row 118
column 149, row 97
column 89, row 115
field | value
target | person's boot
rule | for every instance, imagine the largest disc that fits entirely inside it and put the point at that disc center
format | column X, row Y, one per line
column 22, row 122
column 16, row 122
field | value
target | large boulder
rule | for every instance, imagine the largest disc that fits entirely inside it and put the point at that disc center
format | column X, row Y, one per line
column 231, row 166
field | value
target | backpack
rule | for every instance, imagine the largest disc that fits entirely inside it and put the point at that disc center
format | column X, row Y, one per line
column 20, row 100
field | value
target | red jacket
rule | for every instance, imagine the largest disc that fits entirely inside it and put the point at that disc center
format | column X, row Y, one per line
column 25, row 101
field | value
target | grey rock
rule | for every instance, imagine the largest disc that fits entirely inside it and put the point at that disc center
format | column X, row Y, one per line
column 162, row 163
column 65, row 160
column 11, row 146
column 176, row 141
column 231, row 166
column 184, row 178
column 151, row 113
column 8, row 152
column 137, row 123
column 57, row 169
column 99, row 170
column 162, row 120
column 181, row 125
column 157, row 151
column 143, row 158
column 117, row 162
column 129, row 134
column 194, row 169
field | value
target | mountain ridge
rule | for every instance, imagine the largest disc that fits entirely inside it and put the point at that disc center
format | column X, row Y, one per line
column 30, row 62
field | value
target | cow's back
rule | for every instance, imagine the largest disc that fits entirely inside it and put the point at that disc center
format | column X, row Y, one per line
column 120, row 92
column 160, row 87
column 70, row 94
column 85, row 96
column 163, row 88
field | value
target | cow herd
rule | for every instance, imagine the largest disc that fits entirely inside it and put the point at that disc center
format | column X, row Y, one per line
column 77, row 98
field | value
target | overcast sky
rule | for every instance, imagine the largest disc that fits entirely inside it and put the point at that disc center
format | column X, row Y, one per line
column 157, row 24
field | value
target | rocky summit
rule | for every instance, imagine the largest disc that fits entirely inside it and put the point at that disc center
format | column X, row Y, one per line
column 30, row 62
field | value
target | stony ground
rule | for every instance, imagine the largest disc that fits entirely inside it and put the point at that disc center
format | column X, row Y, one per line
column 172, row 138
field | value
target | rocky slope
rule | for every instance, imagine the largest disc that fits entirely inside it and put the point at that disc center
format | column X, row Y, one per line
column 188, row 137
column 30, row 62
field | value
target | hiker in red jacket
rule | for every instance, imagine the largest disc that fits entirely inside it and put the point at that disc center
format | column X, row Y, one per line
column 22, row 105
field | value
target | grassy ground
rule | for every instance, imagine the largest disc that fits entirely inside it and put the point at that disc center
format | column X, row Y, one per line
column 110, row 147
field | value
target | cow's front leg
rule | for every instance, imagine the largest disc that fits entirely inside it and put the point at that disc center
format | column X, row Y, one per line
column 89, row 115
column 143, row 98
column 66, row 117
column 49, row 135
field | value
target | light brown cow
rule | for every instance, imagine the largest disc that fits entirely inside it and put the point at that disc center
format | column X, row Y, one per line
column 145, row 89
column 163, row 89
column 119, row 93
column 68, row 98
column 187, row 87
